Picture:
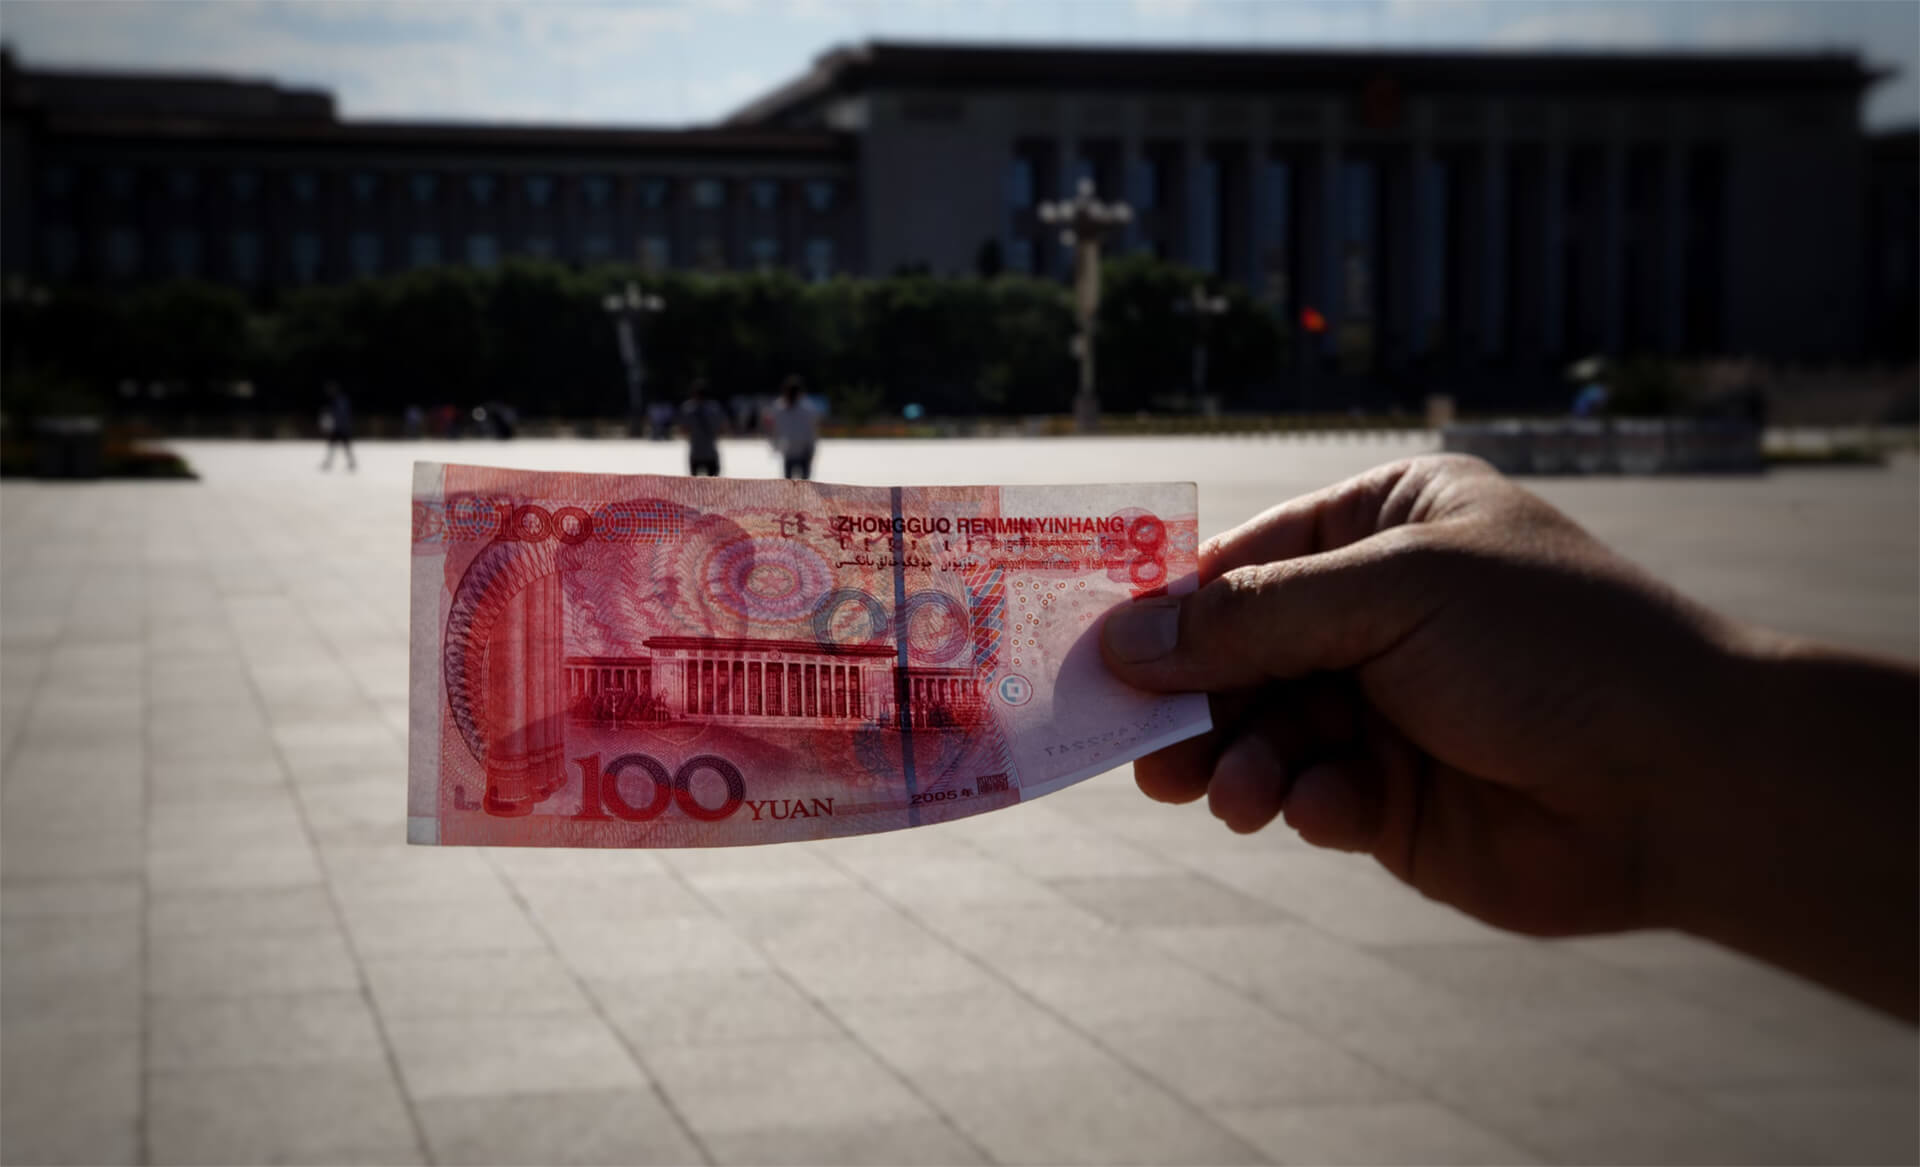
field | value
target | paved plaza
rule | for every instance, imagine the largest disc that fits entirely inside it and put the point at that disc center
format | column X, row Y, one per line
column 217, row 948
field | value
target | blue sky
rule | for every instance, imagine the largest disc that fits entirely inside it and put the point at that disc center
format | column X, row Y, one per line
column 682, row 61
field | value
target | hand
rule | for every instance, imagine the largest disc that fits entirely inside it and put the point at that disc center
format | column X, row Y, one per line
column 1431, row 665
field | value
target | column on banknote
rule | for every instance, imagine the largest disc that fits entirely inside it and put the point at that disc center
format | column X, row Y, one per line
column 525, row 701
column 768, row 681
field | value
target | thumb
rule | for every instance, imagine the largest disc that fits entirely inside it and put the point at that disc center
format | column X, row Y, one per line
column 1335, row 610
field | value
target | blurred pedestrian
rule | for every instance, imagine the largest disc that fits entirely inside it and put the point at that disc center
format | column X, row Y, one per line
column 791, row 427
column 336, row 422
column 703, row 421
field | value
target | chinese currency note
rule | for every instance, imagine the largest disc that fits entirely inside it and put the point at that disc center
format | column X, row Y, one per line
column 634, row 661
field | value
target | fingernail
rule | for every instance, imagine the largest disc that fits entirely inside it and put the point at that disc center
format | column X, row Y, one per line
column 1144, row 631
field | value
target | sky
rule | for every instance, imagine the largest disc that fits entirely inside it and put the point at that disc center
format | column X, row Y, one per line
column 677, row 62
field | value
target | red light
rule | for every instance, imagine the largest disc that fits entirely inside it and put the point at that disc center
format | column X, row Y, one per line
column 1312, row 321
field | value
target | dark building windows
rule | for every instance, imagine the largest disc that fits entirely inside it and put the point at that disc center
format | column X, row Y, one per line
column 123, row 252
column 183, row 254
column 653, row 193
column 61, row 248
column 243, row 257
column 1020, row 255
column 596, row 248
column 480, row 189
column 423, row 249
column 1276, row 234
column 708, row 193
column 1204, row 248
column 709, row 254
column 57, row 182
column 539, row 190
column 304, row 187
column 820, row 195
column 819, row 259
column 119, row 182
column 1148, row 178
column 654, row 254
column 182, row 183
column 765, row 194
column 244, row 184
column 765, row 251
column 1020, row 184
column 365, row 254
column 365, row 188
column 303, row 254
column 423, row 187
column 539, row 246
column 483, row 251
column 597, row 190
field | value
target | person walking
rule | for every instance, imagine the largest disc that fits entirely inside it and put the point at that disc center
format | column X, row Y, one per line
column 703, row 421
column 791, row 427
column 336, row 422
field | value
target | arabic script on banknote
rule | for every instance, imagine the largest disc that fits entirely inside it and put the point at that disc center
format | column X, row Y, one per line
column 636, row 661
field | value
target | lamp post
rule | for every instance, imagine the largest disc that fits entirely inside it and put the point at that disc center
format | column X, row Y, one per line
column 1084, row 221
column 627, row 308
column 1203, row 308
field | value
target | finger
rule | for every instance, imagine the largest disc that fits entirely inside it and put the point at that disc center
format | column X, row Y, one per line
column 1324, row 520
column 1180, row 772
column 1249, row 783
column 1336, row 805
column 1334, row 610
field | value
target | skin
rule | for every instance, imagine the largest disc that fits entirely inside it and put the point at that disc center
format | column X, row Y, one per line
column 1431, row 665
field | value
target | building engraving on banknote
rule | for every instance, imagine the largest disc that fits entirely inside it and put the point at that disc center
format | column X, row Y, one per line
column 630, row 661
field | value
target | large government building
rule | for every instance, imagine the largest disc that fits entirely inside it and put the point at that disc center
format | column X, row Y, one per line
column 1504, row 208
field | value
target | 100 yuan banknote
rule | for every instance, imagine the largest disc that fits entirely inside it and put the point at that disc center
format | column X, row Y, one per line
column 635, row 661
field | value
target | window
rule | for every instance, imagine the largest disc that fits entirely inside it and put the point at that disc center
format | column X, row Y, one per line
column 1020, row 182
column 766, row 194
column 424, row 186
column 1276, row 216
column 708, row 253
column 304, row 251
column 123, row 251
column 539, row 190
column 707, row 193
column 598, row 191
column 820, row 194
column 182, row 184
column 482, row 251
column 596, row 249
column 423, row 249
column 1083, row 170
column 480, row 189
column 61, row 248
column 819, row 259
column 365, row 187
column 57, row 181
column 766, row 252
column 304, row 186
column 183, row 254
column 243, row 256
column 653, row 193
column 244, row 184
column 366, row 249
column 540, row 247
column 119, row 182
column 1146, row 184
column 1020, row 255
column 654, row 255
column 1205, row 250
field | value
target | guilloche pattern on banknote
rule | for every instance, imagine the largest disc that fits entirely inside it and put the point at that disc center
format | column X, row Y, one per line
column 632, row 661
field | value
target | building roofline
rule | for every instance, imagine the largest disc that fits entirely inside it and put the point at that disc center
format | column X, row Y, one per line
column 751, row 644
column 931, row 65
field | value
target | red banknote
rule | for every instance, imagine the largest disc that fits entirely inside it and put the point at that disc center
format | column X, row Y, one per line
column 635, row 661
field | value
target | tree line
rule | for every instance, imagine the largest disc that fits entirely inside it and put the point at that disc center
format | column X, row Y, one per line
column 535, row 336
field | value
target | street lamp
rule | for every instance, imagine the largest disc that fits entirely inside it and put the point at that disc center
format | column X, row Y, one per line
column 1203, row 308
column 1085, row 221
column 627, row 307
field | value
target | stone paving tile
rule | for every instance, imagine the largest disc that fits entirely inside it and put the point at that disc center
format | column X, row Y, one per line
column 881, row 958
column 1376, row 1133
column 69, row 897
column 340, row 1113
column 259, row 864
column 652, row 948
column 584, row 1127
column 931, row 1038
column 485, row 923
column 469, row 984
column 509, row 1053
column 712, row 1007
column 1833, row 1124
column 1349, row 897
column 279, row 1030
column 807, row 1082
column 239, row 964
column 919, row 1143
column 1255, row 1062
column 70, row 1086
column 303, row 908
column 613, row 902
column 1144, row 901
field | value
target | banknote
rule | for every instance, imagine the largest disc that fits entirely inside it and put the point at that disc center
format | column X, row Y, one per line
column 637, row 661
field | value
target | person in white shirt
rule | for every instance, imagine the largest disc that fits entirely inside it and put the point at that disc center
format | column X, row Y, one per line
column 791, row 425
